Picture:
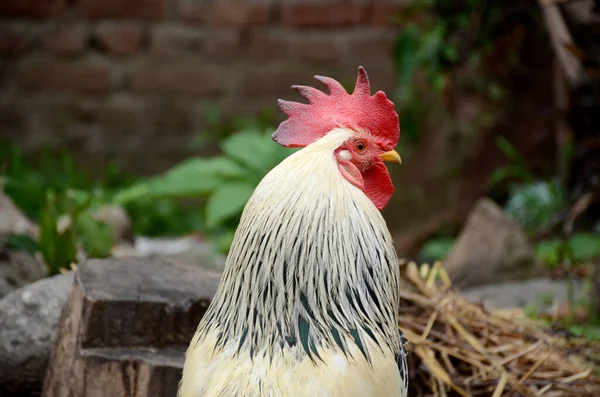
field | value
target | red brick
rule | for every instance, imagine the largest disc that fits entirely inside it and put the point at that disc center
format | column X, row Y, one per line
column 119, row 39
column 172, row 40
column 193, row 11
column 179, row 77
column 270, row 43
column 322, row 14
column 376, row 44
column 275, row 78
column 241, row 12
column 13, row 39
column 220, row 44
column 386, row 12
column 66, row 76
column 124, row 9
column 32, row 8
column 322, row 48
column 66, row 39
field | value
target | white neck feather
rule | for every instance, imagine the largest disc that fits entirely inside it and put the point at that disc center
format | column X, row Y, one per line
column 311, row 266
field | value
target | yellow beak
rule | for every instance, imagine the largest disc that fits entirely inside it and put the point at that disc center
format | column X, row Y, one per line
column 392, row 156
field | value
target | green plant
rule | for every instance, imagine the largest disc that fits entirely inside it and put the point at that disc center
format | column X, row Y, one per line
column 67, row 222
column 225, row 181
column 57, row 244
column 27, row 182
column 437, row 40
column 581, row 247
column 535, row 205
column 19, row 242
column 516, row 168
column 437, row 248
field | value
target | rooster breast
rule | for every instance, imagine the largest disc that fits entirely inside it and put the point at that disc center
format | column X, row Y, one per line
column 308, row 301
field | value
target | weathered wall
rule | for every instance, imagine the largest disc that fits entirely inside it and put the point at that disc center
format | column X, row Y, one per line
column 132, row 79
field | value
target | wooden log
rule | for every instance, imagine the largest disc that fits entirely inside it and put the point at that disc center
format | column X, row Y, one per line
column 125, row 328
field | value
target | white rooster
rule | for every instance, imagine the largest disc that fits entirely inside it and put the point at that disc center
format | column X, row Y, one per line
column 308, row 302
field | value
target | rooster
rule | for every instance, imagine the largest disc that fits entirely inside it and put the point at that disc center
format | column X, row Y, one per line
column 308, row 301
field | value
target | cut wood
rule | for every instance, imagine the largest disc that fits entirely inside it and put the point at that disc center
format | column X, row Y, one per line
column 125, row 328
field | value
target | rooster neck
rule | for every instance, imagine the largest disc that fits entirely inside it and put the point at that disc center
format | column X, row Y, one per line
column 312, row 265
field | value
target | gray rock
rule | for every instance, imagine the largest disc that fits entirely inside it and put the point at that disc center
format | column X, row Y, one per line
column 12, row 220
column 17, row 269
column 490, row 248
column 117, row 218
column 29, row 318
column 519, row 294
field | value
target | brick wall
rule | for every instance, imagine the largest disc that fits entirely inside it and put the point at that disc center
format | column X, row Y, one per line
column 132, row 79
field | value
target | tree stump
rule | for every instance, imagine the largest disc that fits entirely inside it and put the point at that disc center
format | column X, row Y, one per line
column 125, row 328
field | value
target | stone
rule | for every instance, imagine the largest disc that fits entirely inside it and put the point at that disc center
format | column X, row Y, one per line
column 118, row 219
column 192, row 250
column 17, row 269
column 490, row 248
column 29, row 319
column 12, row 220
column 520, row 294
column 125, row 328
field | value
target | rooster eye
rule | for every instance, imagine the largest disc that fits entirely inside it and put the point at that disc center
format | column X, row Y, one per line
column 360, row 146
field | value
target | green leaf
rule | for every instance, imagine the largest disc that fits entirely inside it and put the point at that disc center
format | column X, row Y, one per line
column 585, row 246
column 58, row 247
column 587, row 332
column 192, row 178
column 255, row 150
column 405, row 54
column 20, row 242
column 499, row 175
column 548, row 251
column 95, row 236
column 227, row 201
column 534, row 205
column 437, row 248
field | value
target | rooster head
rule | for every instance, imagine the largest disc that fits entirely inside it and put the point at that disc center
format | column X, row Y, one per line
column 372, row 120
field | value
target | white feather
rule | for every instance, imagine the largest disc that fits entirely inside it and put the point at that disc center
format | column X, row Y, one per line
column 306, row 240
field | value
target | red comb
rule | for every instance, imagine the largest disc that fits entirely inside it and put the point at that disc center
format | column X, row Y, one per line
column 307, row 123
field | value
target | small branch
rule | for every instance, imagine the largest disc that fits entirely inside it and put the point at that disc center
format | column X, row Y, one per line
column 560, row 36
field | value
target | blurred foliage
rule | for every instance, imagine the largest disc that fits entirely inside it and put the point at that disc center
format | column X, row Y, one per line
column 199, row 194
column 225, row 181
column 535, row 205
column 516, row 168
column 436, row 248
column 58, row 245
column 581, row 247
column 66, row 223
column 440, row 37
column 19, row 242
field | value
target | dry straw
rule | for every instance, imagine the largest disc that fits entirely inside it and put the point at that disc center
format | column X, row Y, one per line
column 458, row 348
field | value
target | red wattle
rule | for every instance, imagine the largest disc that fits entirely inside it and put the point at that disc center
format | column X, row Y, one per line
column 351, row 173
column 378, row 185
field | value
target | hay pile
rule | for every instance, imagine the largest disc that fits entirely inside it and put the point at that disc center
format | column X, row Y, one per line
column 458, row 348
